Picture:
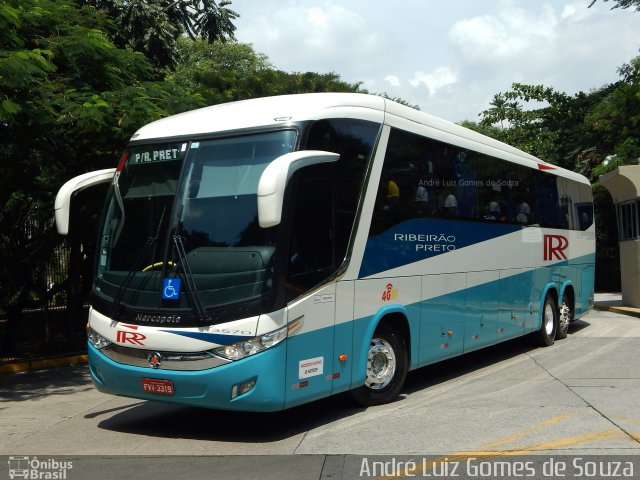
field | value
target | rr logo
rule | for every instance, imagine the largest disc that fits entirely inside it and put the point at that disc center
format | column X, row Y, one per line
column 134, row 338
column 554, row 247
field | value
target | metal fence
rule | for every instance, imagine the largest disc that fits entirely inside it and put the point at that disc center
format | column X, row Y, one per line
column 48, row 327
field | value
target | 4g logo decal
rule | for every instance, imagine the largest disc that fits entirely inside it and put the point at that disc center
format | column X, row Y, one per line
column 389, row 293
column 554, row 247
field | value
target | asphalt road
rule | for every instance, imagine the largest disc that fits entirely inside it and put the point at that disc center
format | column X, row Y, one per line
column 579, row 397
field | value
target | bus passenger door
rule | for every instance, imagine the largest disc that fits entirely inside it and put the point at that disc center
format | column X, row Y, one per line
column 310, row 362
column 516, row 286
column 442, row 327
column 311, row 260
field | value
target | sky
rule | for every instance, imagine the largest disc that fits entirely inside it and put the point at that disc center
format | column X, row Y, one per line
column 448, row 57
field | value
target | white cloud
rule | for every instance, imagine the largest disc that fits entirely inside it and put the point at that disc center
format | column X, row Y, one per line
column 576, row 12
column 303, row 37
column 439, row 78
column 317, row 17
column 392, row 80
column 506, row 34
column 450, row 58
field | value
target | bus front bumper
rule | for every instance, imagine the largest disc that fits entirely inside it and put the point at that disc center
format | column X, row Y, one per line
column 219, row 388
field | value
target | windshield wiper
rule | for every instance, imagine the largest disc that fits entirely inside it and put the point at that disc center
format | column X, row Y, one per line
column 118, row 195
column 117, row 299
column 188, row 275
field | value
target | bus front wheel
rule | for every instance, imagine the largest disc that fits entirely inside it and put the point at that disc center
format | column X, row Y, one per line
column 387, row 366
column 547, row 333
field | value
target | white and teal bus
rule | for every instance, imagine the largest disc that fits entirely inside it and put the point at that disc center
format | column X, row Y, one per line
column 261, row 254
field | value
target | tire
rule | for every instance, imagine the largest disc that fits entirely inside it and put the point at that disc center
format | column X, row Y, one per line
column 387, row 366
column 565, row 315
column 549, row 327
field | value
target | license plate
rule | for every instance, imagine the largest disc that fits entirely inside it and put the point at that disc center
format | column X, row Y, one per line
column 159, row 387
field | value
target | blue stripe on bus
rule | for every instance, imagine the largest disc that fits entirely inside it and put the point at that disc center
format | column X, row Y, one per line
column 421, row 238
column 210, row 337
column 471, row 318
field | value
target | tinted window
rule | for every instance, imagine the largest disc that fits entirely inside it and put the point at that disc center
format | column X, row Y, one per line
column 325, row 200
column 422, row 177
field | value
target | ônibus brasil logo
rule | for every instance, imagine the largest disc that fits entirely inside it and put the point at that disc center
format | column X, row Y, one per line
column 26, row 467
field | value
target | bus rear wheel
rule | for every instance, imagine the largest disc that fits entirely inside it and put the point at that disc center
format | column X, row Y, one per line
column 565, row 315
column 387, row 366
column 549, row 327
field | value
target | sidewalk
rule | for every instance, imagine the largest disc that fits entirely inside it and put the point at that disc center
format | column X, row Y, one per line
column 612, row 302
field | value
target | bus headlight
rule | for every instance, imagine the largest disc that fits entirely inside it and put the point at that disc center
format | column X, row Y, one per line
column 246, row 348
column 95, row 339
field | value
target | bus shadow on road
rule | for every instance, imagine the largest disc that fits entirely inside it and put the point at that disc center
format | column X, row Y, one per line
column 172, row 421
column 437, row 373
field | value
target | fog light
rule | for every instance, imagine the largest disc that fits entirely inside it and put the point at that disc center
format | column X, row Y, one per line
column 242, row 388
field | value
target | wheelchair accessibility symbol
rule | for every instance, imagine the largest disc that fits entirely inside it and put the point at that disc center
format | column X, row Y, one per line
column 171, row 289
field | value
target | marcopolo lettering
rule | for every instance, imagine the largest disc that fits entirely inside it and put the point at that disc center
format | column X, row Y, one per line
column 159, row 319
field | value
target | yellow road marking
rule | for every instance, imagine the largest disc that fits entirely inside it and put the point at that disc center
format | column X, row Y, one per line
column 486, row 452
column 532, row 429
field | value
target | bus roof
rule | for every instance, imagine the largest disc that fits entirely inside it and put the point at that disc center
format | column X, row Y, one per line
column 265, row 111
column 286, row 109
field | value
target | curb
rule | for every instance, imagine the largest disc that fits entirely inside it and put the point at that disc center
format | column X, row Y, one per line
column 630, row 311
column 43, row 364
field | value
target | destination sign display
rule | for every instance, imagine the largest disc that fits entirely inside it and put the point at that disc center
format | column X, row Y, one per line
column 157, row 153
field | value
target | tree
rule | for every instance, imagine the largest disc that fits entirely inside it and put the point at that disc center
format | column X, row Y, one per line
column 591, row 133
column 615, row 120
column 231, row 71
column 154, row 27
column 546, row 123
column 621, row 4
column 69, row 99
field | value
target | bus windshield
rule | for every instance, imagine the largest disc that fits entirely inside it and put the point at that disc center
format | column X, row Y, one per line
column 186, row 213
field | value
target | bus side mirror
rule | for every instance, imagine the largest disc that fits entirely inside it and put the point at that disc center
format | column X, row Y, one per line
column 76, row 184
column 273, row 181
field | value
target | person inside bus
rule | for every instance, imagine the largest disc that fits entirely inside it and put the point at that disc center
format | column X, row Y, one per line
column 523, row 214
column 393, row 195
column 493, row 212
column 387, row 208
column 421, row 201
column 450, row 209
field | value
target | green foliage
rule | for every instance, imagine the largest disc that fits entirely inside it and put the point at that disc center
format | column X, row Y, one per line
column 621, row 4
column 229, row 71
column 69, row 100
column 542, row 121
column 399, row 100
column 577, row 132
column 154, row 27
column 592, row 133
column 485, row 129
